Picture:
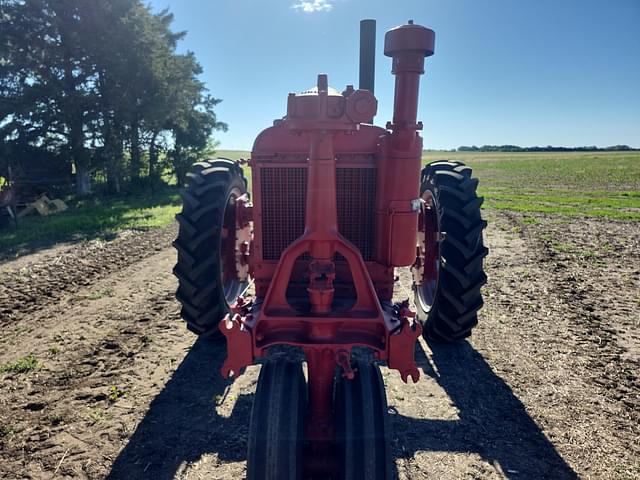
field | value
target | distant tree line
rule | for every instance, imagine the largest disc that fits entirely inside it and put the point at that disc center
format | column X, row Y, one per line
column 548, row 148
column 98, row 86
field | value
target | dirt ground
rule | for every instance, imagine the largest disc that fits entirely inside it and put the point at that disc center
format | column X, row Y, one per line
column 547, row 387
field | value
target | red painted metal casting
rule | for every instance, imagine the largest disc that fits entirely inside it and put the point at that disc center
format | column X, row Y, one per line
column 336, row 204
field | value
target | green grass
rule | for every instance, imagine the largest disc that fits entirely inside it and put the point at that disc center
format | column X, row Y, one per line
column 540, row 170
column 116, row 393
column 566, row 184
column 22, row 365
column 6, row 432
column 573, row 184
column 614, row 205
column 99, row 415
column 94, row 217
column 233, row 154
column 98, row 294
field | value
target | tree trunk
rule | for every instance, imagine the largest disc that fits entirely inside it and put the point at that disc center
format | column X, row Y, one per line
column 113, row 177
column 79, row 157
column 74, row 114
column 114, row 164
column 181, row 166
column 83, row 181
column 113, row 154
column 136, row 163
column 154, row 174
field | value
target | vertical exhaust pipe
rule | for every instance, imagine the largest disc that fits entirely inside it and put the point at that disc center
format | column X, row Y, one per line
column 367, row 56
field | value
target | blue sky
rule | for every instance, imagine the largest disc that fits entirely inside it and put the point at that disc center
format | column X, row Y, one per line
column 537, row 72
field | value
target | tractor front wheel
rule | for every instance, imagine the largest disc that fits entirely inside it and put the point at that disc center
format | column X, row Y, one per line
column 211, row 269
column 277, row 418
column 361, row 418
column 448, row 273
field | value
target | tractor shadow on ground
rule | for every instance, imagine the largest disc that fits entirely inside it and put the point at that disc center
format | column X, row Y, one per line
column 492, row 422
column 182, row 424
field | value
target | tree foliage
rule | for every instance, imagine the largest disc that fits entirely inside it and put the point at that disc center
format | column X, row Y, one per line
column 100, row 86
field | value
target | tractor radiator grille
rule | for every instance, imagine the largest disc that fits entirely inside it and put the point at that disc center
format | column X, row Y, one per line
column 283, row 203
column 356, row 204
column 284, row 200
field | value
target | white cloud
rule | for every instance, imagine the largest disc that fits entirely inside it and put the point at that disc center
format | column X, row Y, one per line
column 313, row 6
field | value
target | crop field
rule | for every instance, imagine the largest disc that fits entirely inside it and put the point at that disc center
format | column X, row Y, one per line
column 572, row 184
column 582, row 184
column 99, row 378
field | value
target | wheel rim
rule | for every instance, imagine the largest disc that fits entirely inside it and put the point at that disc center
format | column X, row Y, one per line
column 427, row 267
column 233, row 275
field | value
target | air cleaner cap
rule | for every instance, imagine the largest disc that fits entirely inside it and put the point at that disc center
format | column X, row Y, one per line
column 409, row 37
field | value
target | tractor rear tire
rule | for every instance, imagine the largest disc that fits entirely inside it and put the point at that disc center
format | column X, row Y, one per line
column 361, row 417
column 212, row 187
column 276, row 436
column 449, row 313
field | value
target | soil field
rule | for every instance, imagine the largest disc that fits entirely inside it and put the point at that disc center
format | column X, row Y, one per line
column 100, row 378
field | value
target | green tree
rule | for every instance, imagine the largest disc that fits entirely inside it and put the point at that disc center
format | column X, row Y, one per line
column 192, row 137
column 100, row 83
column 48, row 76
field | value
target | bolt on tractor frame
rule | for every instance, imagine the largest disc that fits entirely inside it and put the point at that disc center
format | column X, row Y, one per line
column 338, row 204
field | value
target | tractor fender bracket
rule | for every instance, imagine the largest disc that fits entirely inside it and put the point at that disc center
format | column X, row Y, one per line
column 402, row 346
column 239, row 346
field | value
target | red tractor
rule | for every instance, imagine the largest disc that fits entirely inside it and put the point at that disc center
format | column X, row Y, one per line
column 338, row 205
